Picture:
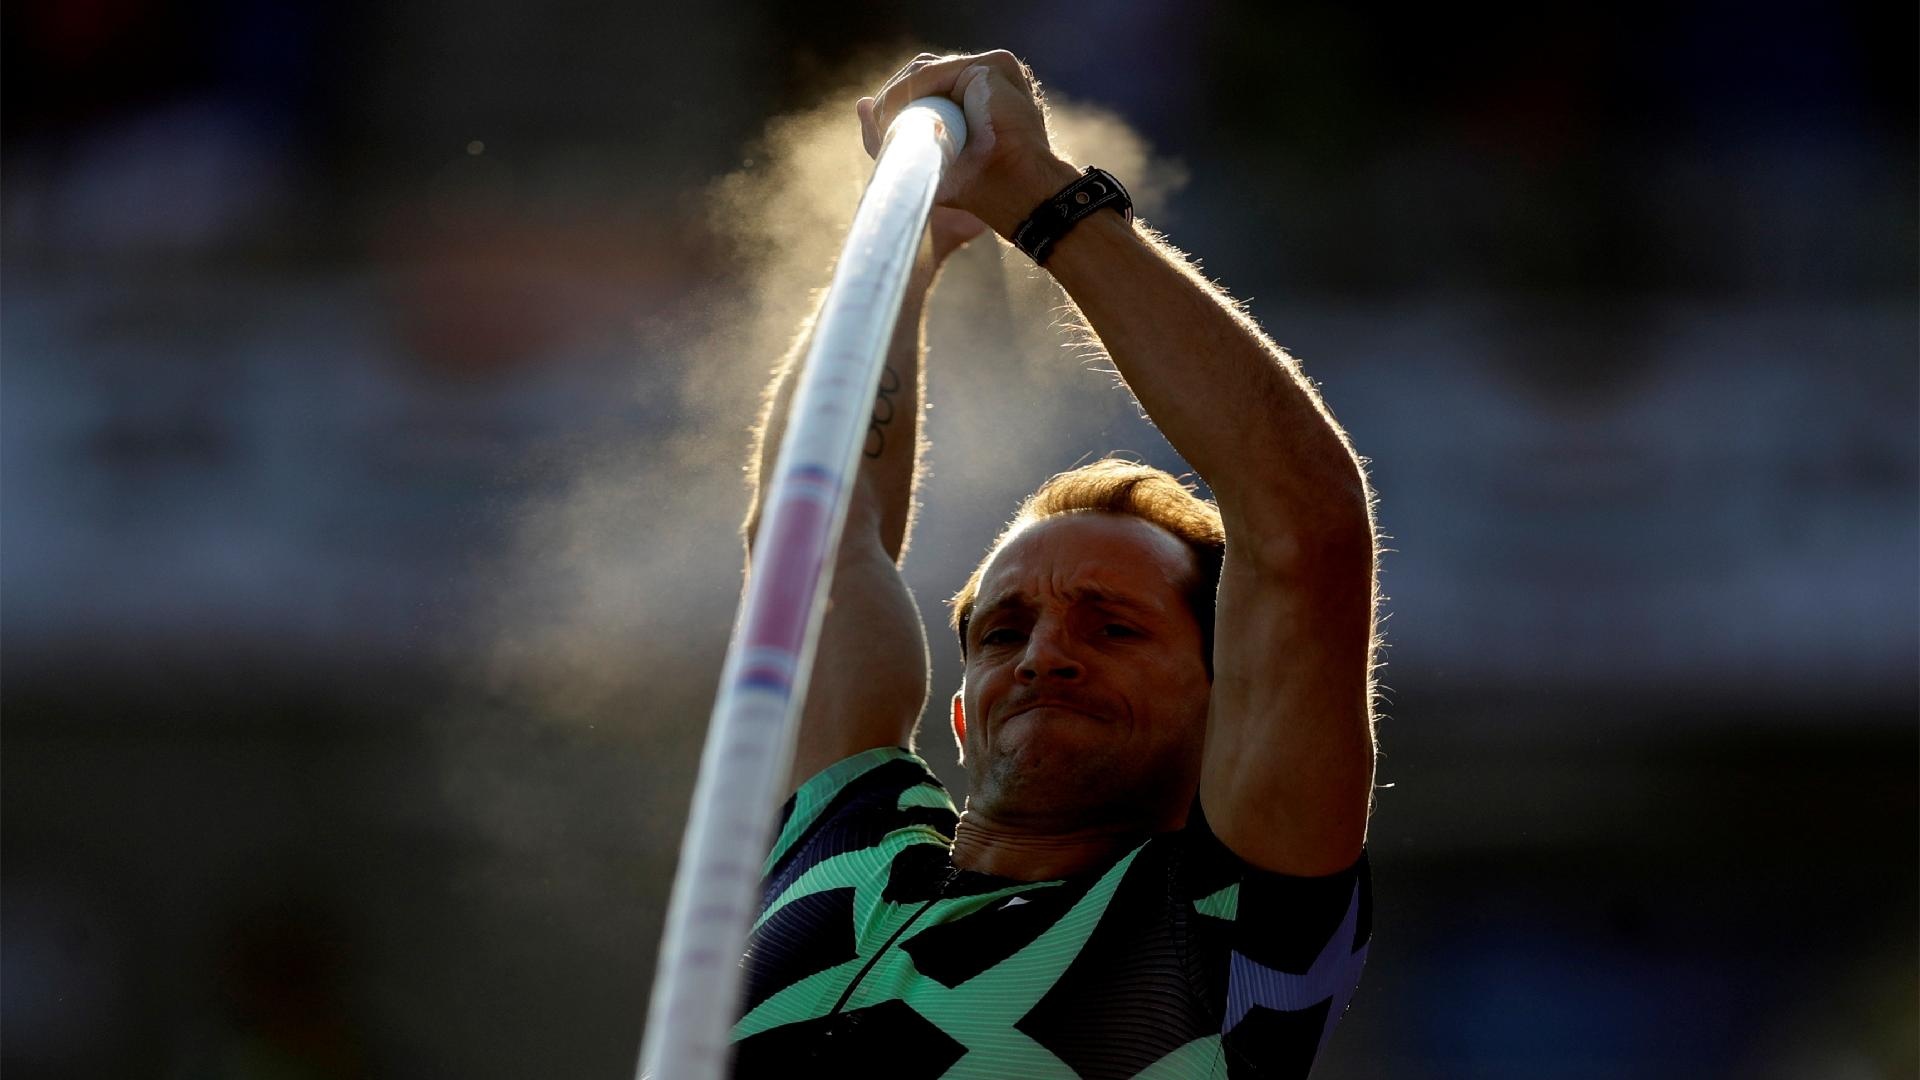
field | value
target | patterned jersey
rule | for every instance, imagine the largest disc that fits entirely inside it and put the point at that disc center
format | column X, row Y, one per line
column 872, row 957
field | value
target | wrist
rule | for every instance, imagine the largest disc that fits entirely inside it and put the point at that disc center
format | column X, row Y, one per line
column 1088, row 196
column 1035, row 185
column 1093, row 249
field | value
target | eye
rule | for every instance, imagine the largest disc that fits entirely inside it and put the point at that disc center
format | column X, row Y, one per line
column 1000, row 636
column 1117, row 630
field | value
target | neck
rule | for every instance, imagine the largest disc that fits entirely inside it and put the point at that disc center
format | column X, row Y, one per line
column 987, row 846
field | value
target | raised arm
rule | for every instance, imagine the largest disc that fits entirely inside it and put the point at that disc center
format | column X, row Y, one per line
column 870, row 674
column 1288, row 768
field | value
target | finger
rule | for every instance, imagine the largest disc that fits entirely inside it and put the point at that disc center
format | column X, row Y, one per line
column 947, row 76
column 1008, row 65
column 972, row 88
column 978, row 84
column 899, row 89
column 925, row 76
column 869, row 134
column 917, row 61
column 900, row 78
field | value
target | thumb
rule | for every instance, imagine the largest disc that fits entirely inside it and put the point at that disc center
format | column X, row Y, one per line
column 976, row 90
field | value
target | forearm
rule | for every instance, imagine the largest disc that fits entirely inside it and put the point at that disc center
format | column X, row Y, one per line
column 1288, row 748
column 1234, row 405
column 1289, row 729
column 1230, row 401
column 869, row 680
column 883, row 496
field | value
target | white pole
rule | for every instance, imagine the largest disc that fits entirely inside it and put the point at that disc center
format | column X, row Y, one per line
column 696, row 988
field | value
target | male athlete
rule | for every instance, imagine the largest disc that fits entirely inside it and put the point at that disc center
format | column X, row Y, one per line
column 1165, row 712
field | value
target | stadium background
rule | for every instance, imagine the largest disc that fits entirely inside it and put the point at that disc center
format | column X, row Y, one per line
column 374, row 393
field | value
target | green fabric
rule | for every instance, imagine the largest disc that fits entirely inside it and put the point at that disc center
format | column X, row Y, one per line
column 872, row 824
column 814, row 795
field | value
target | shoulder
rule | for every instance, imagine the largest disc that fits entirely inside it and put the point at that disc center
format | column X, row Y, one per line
column 1292, row 948
column 1275, row 926
column 1223, row 885
column 857, row 802
column 867, row 773
column 1283, row 954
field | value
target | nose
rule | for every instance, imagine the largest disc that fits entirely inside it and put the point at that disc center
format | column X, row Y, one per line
column 1048, row 655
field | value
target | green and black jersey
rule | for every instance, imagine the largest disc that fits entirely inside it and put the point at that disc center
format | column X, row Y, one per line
column 872, row 957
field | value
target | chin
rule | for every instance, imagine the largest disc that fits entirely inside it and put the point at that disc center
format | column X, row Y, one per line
column 1055, row 778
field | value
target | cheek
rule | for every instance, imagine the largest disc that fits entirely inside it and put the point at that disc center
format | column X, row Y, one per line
column 976, row 691
column 1180, row 693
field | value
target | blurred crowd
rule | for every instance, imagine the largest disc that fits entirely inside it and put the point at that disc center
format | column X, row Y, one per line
column 373, row 394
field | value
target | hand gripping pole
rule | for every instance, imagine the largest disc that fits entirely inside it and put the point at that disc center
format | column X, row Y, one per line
column 749, row 748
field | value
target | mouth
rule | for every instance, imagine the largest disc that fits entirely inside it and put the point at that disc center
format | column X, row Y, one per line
column 1042, row 706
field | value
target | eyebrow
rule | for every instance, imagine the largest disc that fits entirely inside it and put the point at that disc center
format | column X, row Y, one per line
column 1097, row 597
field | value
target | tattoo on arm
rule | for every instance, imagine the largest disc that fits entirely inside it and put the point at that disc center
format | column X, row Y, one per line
column 882, row 413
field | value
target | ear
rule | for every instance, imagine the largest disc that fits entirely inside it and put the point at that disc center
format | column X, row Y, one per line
column 960, row 726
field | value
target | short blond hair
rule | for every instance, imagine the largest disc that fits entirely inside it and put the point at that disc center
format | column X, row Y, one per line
column 1118, row 486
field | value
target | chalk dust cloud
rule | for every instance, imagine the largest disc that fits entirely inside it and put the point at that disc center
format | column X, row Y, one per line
column 606, row 618
column 622, row 577
column 1007, row 355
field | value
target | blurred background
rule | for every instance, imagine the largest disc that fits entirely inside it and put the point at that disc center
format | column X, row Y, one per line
column 375, row 389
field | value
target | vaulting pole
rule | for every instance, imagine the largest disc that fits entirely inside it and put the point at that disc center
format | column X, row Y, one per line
column 696, row 988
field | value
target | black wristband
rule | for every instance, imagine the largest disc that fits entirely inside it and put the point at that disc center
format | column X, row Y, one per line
column 1095, row 190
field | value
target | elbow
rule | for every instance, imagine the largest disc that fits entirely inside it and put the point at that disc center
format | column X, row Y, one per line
column 750, row 528
column 1323, row 530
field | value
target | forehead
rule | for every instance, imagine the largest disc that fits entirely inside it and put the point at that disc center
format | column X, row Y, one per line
column 1116, row 555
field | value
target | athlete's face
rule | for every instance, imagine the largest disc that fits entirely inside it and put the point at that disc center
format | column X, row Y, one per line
column 1086, row 690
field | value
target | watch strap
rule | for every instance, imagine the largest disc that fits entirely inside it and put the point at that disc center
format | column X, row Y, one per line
column 1096, row 189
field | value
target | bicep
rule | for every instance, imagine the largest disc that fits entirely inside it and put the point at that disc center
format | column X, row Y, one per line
column 1288, row 770
column 870, row 676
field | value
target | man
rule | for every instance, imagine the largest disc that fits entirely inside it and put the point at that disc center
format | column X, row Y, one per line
column 1165, row 713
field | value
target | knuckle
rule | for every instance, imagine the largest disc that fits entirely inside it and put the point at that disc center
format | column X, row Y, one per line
column 1004, row 61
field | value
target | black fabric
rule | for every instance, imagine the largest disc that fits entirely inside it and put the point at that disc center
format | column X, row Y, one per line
column 1212, row 940
column 860, row 816
column 809, row 935
column 915, row 875
column 1297, row 914
column 1136, row 992
column 925, row 872
column 1206, row 864
column 951, row 953
column 1273, row 1045
column 885, row 1040
column 1152, row 976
